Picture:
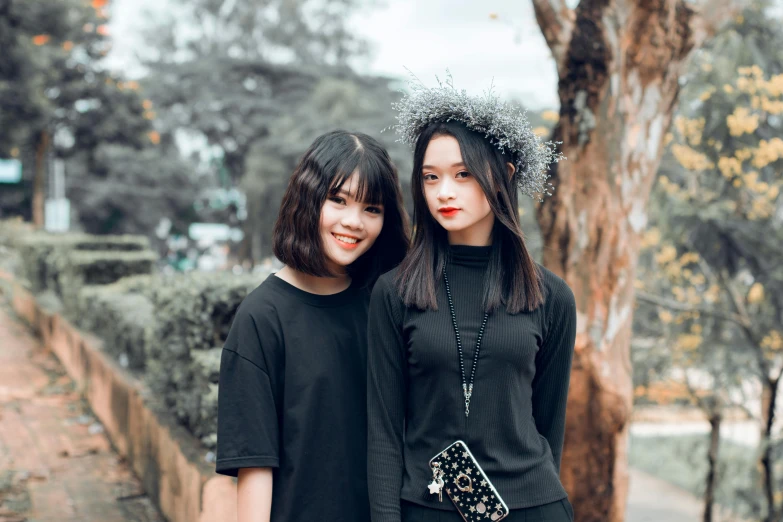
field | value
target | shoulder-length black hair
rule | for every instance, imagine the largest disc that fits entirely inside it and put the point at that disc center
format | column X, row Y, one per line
column 513, row 279
column 328, row 163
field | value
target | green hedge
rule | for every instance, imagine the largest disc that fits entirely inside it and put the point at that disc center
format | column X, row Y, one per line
column 125, row 322
column 194, row 313
column 173, row 328
column 46, row 257
column 170, row 329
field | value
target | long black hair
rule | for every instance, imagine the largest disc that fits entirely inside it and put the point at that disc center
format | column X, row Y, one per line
column 328, row 163
column 513, row 279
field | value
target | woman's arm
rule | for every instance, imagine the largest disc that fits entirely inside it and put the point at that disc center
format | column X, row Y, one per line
column 386, row 385
column 553, row 368
column 254, row 495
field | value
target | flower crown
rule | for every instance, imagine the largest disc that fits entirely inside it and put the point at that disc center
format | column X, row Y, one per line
column 504, row 125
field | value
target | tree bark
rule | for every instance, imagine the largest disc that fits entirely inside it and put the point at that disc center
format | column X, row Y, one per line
column 39, row 179
column 769, row 395
column 712, row 466
column 619, row 62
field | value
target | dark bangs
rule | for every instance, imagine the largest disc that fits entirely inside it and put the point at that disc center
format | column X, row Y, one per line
column 372, row 176
column 322, row 172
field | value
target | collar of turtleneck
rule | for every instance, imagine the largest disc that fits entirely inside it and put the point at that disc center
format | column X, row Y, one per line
column 470, row 256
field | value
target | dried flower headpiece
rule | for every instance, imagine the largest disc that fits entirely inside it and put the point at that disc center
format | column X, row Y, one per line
column 506, row 127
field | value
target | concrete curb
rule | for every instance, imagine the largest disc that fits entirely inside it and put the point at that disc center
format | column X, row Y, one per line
column 165, row 457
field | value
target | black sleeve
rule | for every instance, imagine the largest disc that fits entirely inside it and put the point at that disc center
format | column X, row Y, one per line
column 386, row 388
column 247, row 433
column 553, row 368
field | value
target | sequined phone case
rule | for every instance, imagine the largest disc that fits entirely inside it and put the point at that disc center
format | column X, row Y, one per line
column 456, row 472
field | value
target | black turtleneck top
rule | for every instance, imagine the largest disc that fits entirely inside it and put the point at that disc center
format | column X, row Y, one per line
column 415, row 403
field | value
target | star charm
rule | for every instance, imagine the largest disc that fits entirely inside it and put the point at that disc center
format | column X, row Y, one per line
column 485, row 498
column 434, row 488
column 498, row 507
column 454, row 466
column 456, row 498
column 484, row 483
column 464, row 454
column 468, row 471
column 472, row 509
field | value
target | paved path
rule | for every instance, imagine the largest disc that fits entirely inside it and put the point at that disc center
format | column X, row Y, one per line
column 56, row 464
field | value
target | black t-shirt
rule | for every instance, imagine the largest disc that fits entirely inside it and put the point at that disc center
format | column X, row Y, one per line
column 292, row 397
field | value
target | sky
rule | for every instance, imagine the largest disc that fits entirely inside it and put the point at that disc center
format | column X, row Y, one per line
column 426, row 37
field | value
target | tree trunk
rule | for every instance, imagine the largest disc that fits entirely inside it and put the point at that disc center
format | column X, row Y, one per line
column 712, row 466
column 619, row 62
column 39, row 179
column 768, row 400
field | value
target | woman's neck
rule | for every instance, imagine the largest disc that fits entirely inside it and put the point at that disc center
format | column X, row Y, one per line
column 314, row 284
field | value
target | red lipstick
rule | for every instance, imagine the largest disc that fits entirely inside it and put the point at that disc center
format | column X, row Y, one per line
column 448, row 211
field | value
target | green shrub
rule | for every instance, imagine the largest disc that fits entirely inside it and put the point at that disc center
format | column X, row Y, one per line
column 82, row 268
column 46, row 256
column 125, row 322
column 194, row 314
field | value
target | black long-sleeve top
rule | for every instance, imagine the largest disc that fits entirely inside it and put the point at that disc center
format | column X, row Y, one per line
column 415, row 402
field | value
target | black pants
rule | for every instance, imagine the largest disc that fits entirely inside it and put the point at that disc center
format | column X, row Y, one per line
column 559, row 511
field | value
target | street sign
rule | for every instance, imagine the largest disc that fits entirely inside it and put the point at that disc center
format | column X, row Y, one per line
column 10, row 171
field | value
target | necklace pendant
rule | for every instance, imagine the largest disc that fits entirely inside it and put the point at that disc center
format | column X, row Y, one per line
column 468, row 393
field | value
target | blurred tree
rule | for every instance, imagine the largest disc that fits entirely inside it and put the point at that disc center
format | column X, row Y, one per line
column 54, row 89
column 253, row 83
column 619, row 63
column 720, row 200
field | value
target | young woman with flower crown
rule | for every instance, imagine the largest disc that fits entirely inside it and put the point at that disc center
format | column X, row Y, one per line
column 292, row 393
column 470, row 341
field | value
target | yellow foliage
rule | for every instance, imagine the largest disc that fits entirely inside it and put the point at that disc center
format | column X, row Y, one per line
column 706, row 67
column 679, row 294
column 154, row 137
column 771, row 106
column 651, row 237
column 728, row 89
column 668, row 187
column 688, row 258
column 147, row 104
column 774, row 86
column 552, row 116
column 743, row 154
column 696, row 328
column 689, row 342
column 665, row 316
column 729, row 167
column 767, row 152
column 698, row 279
column 707, row 94
column 668, row 138
column 691, row 130
column 668, row 253
column 691, row 159
column 541, row 132
column 756, row 293
column 741, row 122
column 712, row 294
column 772, row 341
